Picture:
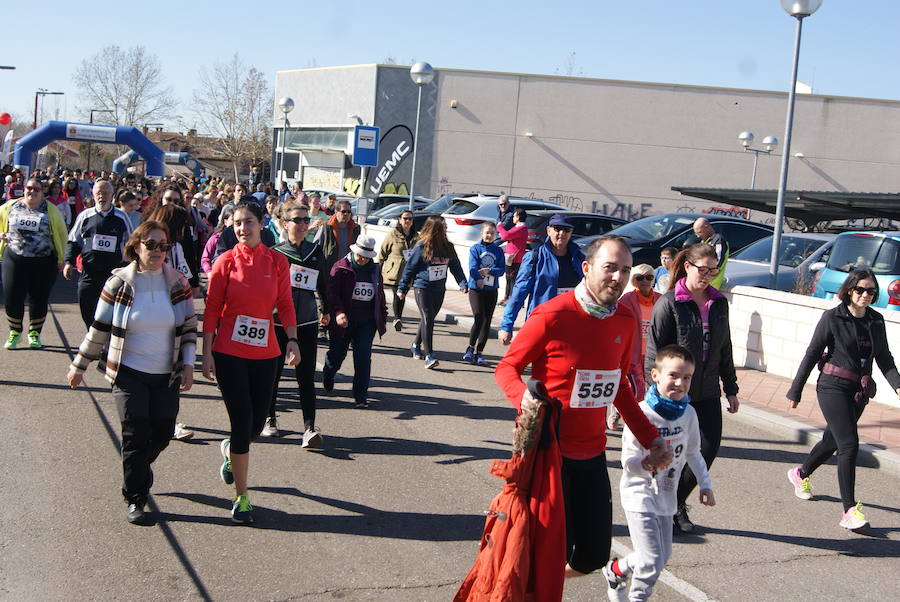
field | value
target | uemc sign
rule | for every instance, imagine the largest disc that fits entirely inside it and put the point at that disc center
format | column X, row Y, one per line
column 396, row 145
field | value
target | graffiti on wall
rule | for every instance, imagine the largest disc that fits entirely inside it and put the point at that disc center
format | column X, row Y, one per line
column 573, row 203
column 732, row 211
column 627, row 211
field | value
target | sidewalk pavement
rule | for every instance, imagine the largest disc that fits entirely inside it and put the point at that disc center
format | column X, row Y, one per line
column 763, row 402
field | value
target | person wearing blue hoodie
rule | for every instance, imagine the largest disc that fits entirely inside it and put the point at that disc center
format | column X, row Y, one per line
column 486, row 265
column 426, row 269
column 548, row 270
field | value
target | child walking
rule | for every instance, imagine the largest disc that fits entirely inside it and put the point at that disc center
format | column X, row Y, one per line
column 649, row 498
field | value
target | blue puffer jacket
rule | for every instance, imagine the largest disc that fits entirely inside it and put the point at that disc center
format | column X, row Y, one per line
column 485, row 256
column 537, row 281
column 416, row 270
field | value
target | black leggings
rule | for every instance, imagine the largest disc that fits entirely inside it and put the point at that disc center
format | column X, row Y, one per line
column 588, row 500
column 511, row 272
column 89, row 289
column 841, row 414
column 482, row 303
column 304, row 372
column 398, row 303
column 31, row 276
column 246, row 387
column 429, row 302
column 709, row 417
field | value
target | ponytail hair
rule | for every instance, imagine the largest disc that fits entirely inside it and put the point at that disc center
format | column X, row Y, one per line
column 693, row 254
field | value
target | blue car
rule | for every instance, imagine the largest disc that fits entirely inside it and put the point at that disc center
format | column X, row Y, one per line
column 878, row 251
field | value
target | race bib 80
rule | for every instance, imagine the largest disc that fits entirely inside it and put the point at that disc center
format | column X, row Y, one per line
column 594, row 388
column 104, row 243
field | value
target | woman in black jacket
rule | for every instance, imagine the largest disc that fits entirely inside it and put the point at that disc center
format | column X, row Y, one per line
column 848, row 338
column 694, row 314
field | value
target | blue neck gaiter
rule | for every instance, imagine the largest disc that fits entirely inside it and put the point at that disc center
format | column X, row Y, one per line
column 665, row 407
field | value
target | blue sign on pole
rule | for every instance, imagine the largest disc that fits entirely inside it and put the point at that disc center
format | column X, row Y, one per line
column 365, row 145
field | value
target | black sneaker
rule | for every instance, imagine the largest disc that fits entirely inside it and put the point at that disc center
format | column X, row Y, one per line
column 135, row 514
column 327, row 382
column 398, row 325
column 681, row 520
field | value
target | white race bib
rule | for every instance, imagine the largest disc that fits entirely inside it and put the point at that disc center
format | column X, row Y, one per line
column 489, row 280
column 251, row 331
column 406, row 254
column 29, row 223
column 594, row 388
column 363, row 291
column 104, row 243
column 304, row 278
column 437, row 272
column 560, row 291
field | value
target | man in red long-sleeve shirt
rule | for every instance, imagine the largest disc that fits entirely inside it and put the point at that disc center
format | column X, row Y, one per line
column 579, row 345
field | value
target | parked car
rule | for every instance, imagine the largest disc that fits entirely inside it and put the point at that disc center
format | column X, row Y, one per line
column 585, row 224
column 750, row 265
column 383, row 200
column 650, row 235
column 465, row 216
column 390, row 213
column 878, row 251
column 436, row 207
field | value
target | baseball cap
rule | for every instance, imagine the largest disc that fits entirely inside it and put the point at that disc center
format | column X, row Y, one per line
column 560, row 219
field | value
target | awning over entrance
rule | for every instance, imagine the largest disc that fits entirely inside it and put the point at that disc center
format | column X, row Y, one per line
column 810, row 206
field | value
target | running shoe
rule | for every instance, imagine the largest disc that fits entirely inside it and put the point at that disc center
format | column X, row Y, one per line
column 135, row 514
column 431, row 362
column 416, row 352
column 312, row 439
column 361, row 405
column 34, row 339
column 479, row 360
column 617, row 585
column 327, row 381
column 398, row 325
column 241, row 510
column 225, row 470
column 853, row 518
column 469, row 355
column 271, row 428
column 802, row 488
column 13, row 341
column 683, row 523
column 182, row 433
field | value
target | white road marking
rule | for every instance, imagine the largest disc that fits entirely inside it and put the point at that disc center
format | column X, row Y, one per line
column 681, row 586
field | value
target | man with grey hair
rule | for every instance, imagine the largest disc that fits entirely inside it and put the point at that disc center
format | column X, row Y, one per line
column 704, row 232
column 504, row 212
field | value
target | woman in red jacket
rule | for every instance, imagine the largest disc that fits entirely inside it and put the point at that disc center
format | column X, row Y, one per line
column 240, row 349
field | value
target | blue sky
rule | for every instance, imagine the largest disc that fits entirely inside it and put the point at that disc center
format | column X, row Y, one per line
column 847, row 47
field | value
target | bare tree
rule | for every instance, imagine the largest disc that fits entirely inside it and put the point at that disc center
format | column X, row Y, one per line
column 234, row 103
column 127, row 82
column 570, row 67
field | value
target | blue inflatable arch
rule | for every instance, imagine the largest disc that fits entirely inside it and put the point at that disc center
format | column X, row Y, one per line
column 27, row 146
column 185, row 159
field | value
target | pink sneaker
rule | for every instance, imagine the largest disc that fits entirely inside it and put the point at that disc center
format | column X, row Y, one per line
column 802, row 488
column 853, row 518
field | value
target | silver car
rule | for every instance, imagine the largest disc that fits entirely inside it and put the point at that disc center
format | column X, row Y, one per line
column 465, row 216
column 750, row 266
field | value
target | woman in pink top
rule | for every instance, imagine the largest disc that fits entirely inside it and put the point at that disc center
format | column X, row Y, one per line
column 516, row 239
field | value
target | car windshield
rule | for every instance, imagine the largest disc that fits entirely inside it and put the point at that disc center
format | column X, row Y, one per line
column 878, row 253
column 440, row 205
column 654, row 227
column 462, row 208
column 794, row 251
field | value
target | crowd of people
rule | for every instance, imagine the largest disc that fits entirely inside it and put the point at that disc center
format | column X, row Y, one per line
column 280, row 269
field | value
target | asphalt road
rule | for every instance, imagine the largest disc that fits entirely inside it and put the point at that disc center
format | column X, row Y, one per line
column 390, row 510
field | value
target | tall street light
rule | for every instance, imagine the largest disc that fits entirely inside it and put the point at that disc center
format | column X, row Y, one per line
column 746, row 139
column 799, row 9
column 88, row 167
column 41, row 92
column 421, row 74
column 286, row 105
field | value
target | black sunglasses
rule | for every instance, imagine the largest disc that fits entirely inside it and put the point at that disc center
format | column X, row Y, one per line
column 859, row 290
column 152, row 245
column 298, row 220
column 642, row 277
column 561, row 228
column 345, row 211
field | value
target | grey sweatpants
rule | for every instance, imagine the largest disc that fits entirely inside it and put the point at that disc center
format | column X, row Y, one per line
column 651, row 537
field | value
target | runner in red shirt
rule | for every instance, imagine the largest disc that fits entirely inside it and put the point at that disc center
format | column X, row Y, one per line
column 579, row 345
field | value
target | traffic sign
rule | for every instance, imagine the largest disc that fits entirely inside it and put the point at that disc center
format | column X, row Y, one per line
column 365, row 145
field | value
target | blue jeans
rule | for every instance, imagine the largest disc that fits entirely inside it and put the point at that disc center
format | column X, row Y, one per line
column 361, row 335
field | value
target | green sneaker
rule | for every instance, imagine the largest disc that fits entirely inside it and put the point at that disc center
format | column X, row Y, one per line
column 242, row 511
column 13, row 340
column 225, row 470
column 34, row 339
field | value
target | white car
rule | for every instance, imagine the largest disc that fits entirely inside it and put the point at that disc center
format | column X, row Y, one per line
column 465, row 216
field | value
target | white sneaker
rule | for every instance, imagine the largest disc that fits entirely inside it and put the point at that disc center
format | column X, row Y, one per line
column 854, row 518
column 617, row 587
column 181, row 433
column 312, row 439
column 271, row 428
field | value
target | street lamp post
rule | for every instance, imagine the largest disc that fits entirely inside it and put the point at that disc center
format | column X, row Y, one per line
column 421, row 74
column 89, row 149
column 799, row 9
column 746, row 139
column 286, row 105
column 41, row 92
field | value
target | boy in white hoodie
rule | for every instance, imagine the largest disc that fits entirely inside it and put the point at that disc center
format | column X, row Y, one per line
column 649, row 497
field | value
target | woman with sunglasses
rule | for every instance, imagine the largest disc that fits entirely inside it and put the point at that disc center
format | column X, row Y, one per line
column 847, row 341
column 56, row 196
column 640, row 300
column 146, row 318
column 32, row 243
column 240, row 351
column 694, row 314
column 307, row 264
column 395, row 249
